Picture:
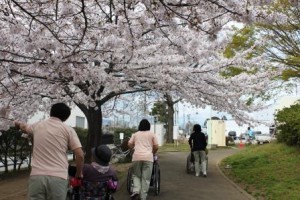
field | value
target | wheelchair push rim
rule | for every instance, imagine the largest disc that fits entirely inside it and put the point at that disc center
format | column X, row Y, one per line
column 157, row 179
column 129, row 181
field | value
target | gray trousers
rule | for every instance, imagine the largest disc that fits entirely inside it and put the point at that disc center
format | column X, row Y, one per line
column 47, row 188
column 200, row 156
column 142, row 171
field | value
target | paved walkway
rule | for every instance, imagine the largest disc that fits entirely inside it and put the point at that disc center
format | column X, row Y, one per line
column 178, row 185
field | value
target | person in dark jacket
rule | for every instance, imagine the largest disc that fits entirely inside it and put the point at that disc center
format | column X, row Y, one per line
column 198, row 145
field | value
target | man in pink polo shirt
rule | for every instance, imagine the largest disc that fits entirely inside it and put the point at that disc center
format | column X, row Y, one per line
column 49, row 168
column 145, row 145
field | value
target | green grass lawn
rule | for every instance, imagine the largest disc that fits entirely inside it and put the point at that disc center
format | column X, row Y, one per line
column 269, row 171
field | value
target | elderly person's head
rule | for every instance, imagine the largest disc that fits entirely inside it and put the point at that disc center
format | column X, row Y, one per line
column 102, row 155
column 144, row 125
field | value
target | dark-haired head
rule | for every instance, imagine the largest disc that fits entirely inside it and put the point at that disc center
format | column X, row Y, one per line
column 61, row 111
column 197, row 128
column 144, row 125
column 102, row 154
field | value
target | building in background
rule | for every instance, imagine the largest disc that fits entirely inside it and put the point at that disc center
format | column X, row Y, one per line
column 286, row 102
column 76, row 119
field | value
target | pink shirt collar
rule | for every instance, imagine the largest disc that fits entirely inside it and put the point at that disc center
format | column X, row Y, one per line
column 55, row 118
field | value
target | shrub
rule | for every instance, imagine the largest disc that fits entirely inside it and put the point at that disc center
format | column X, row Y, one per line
column 82, row 135
column 127, row 133
column 288, row 125
column 14, row 149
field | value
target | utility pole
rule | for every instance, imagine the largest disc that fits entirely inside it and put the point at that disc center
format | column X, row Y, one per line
column 123, row 114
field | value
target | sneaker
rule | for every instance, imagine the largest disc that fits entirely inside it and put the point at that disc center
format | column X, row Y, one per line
column 197, row 174
column 134, row 196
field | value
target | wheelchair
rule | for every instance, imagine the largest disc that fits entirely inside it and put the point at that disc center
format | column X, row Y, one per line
column 154, row 181
column 190, row 164
column 79, row 189
column 90, row 191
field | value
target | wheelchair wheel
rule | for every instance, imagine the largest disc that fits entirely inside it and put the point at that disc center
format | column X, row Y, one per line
column 73, row 194
column 206, row 163
column 69, row 196
column 188, row 163
column 190, row 168
column 129, row 180
column 156, row 179
column 111, row 198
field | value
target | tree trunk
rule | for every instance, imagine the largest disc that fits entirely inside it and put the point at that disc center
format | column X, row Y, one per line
column 94, row 119
column 170, row 118
column 5, row 162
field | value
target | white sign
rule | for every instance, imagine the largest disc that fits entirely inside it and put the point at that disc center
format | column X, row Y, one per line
column 121, row 136
column 175, row 132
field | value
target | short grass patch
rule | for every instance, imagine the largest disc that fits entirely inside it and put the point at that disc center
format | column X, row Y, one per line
column 270, row 171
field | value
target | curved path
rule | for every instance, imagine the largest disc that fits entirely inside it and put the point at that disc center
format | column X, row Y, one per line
column 178, row 185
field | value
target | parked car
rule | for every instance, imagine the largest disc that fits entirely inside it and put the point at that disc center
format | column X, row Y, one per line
column 242, row 136
column 264, row 138
column 257, row 133
column 232, row 134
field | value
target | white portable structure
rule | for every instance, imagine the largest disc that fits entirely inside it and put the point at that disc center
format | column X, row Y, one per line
column 216, row 133
column 159, row 131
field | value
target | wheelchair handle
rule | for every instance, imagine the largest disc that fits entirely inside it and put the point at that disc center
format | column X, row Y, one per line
column 75, row 182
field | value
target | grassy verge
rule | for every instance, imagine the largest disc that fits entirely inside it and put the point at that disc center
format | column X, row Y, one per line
column 270, row 171
column 173, row 147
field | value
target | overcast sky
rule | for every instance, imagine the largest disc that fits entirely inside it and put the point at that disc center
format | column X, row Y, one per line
column 186, row 112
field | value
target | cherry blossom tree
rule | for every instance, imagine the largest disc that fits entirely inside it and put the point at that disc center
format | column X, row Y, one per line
column 90, row 51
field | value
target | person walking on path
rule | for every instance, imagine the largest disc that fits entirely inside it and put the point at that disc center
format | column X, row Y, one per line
column 51, row 140
column 145, row 144
column 197, row 142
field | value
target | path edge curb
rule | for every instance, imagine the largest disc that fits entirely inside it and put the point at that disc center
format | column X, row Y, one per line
column 249, row 196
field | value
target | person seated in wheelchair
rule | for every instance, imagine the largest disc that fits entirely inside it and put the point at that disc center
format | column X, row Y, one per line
column 99, row 178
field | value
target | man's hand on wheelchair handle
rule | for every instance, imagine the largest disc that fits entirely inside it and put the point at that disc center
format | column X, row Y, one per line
column 75, row 182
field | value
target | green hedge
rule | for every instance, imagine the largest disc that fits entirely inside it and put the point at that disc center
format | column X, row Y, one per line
column 82, row 135
column 14, row 150
column 127, row 133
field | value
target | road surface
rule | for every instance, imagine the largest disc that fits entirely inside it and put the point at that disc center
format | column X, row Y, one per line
column 176, row 184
